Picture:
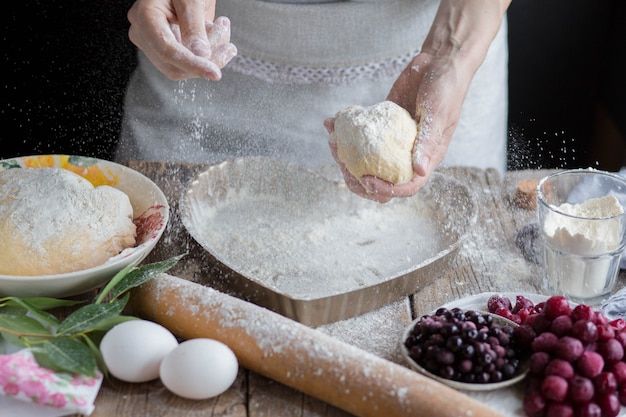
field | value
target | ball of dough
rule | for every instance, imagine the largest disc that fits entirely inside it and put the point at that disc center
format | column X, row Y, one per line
column 53, row 221
column 376, row 140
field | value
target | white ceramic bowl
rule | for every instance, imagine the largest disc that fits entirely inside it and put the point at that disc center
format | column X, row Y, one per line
column 521, row 374
column 151, row 212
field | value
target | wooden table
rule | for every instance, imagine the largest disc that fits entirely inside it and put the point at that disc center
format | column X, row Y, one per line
column 489, row 260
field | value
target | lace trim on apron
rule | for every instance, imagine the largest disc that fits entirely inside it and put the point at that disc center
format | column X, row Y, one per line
column 291, row 74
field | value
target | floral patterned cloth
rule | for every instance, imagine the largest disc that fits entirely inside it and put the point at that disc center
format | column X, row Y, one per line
column 42, row 390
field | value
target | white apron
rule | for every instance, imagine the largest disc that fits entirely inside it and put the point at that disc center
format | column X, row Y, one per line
column 298, row 64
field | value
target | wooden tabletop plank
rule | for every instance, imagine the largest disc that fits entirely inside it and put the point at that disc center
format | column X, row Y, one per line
column 489, row 260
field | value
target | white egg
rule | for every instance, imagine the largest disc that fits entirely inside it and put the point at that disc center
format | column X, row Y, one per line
column 199, row 369
column 133, row 350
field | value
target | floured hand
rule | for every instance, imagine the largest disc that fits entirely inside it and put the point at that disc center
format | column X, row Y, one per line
column 181, row 38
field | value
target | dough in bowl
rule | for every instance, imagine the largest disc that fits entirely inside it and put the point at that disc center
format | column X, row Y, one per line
column 53, row 221
column 376, row 140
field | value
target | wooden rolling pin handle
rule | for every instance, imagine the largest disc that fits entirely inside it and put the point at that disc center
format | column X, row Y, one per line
column 300, row 357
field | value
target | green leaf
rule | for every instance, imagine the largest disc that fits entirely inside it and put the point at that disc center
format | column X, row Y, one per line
column 45, row 303
column 34, row 310
column 42, row 358
column 113, row 282
column 108, row 323
column 66, row 354
column 143, row 274
column 21, row 325
column 13, row 340
column 85, row 318
column 93, row 347
column 19, row 311
column 74, row 346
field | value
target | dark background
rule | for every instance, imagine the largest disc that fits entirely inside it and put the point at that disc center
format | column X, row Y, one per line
column 567, row 83
column 66, row 64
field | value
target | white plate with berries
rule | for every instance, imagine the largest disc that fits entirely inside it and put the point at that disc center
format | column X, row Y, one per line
column 577, row 365
column 465, row 348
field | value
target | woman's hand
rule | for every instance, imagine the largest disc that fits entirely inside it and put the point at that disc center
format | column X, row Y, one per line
column 432, row 89
column 181, row 38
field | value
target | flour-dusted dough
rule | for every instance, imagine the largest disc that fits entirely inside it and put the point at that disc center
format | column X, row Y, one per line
column 53, row 221
column 376, row 140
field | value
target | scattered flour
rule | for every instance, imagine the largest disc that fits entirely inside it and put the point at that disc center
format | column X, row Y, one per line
column 298, row 356
column 314, row 248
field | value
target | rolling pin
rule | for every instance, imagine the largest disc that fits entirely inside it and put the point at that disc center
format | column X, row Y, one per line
column 298, row 356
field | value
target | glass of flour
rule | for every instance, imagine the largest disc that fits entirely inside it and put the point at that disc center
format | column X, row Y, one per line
column 583, row 225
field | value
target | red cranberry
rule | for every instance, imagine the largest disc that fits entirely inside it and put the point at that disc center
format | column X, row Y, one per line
column 619, row 371
column 504, row 312
column 611, row 350
column 618, row 324
column 554, row 388
column 581, row 390
column 590, row 364
column 522, row 303
column 605, row 383
column 561, row 325
column 524, row 335
column 585, row 331
column 559, row 410
column 620, row 336
column 569, row 348
column 605, row 332
column 497, row 301
column 557, row 305
column 525, row 313
column 583, row 312
column 589, row 410
column 609, row 404
column 534, row 404
column 538, row 363
column 559, row 367
column 531, row 319
column 600, row 318
column 544, row 342
column 541, row 323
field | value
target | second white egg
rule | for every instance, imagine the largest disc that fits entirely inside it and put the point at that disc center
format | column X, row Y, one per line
column 198, row 369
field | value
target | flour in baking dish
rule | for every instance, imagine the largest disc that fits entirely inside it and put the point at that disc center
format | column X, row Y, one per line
column 308, row 248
